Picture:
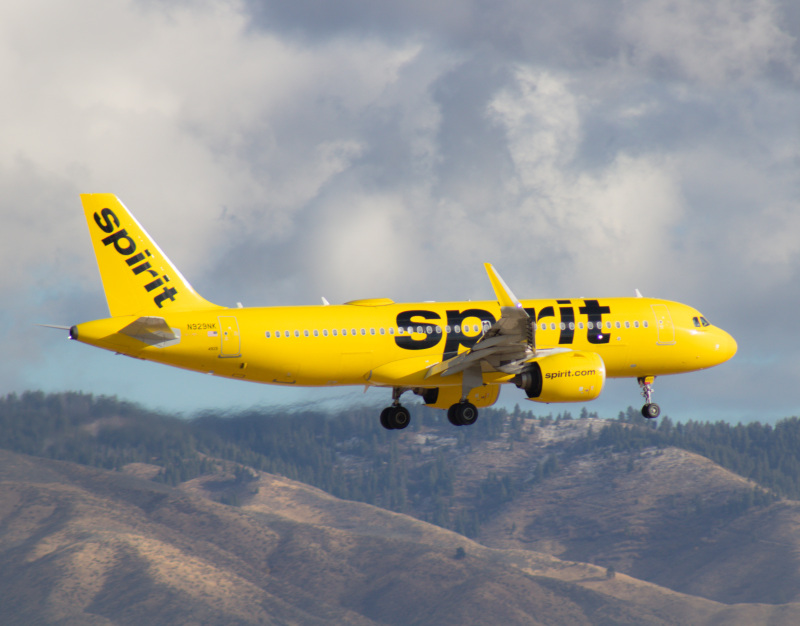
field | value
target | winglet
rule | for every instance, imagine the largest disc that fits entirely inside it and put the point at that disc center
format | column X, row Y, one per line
column 505, row 297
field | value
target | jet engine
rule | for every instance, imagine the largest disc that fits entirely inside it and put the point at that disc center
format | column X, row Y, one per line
column 563, row 377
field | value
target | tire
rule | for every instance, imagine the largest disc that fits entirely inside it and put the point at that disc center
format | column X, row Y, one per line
column 385, row 418
column 399, row 417
column 651, row 411
column 467, row 413
column 452, row 415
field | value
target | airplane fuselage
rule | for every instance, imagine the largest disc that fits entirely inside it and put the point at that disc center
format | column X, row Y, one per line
column 349, row 344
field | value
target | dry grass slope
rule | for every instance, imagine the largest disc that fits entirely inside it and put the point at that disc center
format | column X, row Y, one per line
column 82, row 546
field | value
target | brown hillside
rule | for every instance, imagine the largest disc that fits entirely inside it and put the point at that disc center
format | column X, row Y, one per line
column 666, row 516
column 82, row 546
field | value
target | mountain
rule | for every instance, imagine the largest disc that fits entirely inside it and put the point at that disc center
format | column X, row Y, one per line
column 85, row 546
column 569, row 520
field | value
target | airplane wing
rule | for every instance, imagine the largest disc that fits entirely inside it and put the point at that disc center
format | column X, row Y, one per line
column 506, row 346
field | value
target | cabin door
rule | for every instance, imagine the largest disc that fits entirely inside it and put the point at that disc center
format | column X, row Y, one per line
column 664, row 326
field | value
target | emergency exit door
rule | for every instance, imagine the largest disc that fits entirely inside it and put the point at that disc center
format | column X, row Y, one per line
column 230, row 341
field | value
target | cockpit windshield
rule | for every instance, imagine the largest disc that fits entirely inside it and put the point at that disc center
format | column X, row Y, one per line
column 700, row 322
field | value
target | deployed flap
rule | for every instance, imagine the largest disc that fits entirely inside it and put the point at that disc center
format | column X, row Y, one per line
column 153, row 331
column 506, row 345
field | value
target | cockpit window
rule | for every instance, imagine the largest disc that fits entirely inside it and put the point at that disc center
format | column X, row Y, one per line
column 700, row 321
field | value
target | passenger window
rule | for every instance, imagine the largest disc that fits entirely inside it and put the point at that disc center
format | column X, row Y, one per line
column 636, row 324
column 608, row 325
column 617, row 324
column 580, row 325
column 644, row 323
column 334, row 332
column 267, row 334
column 552, row 325
column 429, row 330
column 438, row 330
column 457, row 329
column 391, row 331
column 363, row 331
column 383, row 332
column 572, row 325
column 627, row 324
column 353, row 332
column 563, row 326
column 447, row 329
column 371, row 331
column 590, row 325
column 325, row 333
column 297, row 333
column 305, row 333
column 316, row 333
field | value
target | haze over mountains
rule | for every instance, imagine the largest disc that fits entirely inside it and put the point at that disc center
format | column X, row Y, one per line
column 572, row 521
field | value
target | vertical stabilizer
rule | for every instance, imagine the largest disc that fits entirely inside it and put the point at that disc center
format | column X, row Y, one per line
column 138, row 278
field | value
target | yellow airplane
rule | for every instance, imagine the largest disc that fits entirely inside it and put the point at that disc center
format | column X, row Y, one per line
column 455, row 355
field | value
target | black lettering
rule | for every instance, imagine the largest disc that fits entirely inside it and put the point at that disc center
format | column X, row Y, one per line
column 116, row 238
column 405, row 319
column 134, row 260
column 567, row 318
column 106, row 215
column 546, row 312
column 155, row 284
column 457, row 339
column 595, row 313
column 168, row 293
column 140, row 268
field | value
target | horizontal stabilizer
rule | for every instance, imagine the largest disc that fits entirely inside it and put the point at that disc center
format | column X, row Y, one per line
column 153, row 331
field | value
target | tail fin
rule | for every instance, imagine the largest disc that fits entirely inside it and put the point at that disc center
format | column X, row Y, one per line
column 138, row 278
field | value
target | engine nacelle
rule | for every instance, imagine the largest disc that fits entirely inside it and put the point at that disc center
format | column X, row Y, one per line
column 445, row 397
column 563, row 377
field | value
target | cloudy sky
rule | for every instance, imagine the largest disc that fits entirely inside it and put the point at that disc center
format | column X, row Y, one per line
column 282, row 151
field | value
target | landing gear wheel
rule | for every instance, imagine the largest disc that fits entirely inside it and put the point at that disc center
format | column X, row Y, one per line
column 385, row 417
column 651, row 410
column 395, row 417
column 400, row 417
column 451, row 415
column 462, row 414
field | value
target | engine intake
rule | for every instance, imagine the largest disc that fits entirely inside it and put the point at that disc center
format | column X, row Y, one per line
column 564, row 377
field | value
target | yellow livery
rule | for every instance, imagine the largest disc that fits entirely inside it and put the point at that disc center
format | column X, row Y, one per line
column 455, row 355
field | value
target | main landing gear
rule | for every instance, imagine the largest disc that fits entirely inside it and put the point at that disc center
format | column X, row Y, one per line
column 395, row 417
column 650, row 409
column 462, row 414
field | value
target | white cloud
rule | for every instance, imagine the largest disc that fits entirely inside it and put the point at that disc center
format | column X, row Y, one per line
column 711, row 42
column 614, row 219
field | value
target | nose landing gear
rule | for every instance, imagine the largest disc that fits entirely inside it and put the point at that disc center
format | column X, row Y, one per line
column 650, row 409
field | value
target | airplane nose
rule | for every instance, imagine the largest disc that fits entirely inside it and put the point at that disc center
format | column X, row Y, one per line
column 725, row 346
